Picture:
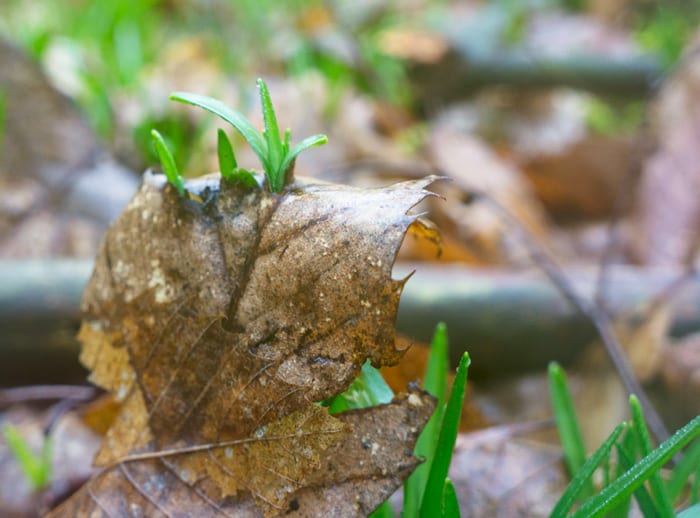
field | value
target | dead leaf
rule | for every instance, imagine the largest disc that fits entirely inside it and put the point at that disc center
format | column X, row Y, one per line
column 359, row 472
column 474, row 167
column 513, row 478
column 218, row 324
column 668, row 196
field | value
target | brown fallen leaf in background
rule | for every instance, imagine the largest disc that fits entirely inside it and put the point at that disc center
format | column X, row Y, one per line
column 219, row 324
column 668, row 208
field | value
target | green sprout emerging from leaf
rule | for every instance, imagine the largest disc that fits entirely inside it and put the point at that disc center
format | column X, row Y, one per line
column 228, row 165
column 275, row 154
column 168, row 162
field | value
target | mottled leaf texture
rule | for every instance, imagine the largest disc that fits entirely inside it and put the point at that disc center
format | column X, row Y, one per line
column 218, row 320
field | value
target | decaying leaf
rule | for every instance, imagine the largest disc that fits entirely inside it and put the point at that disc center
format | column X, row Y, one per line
column 218, row 323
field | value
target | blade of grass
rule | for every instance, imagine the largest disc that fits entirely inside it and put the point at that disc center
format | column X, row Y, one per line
column 233, row 117
column 582, row 479
column 168, row 162
column 275, row 174
column 435, row 382
column 383, row 511
column 227, row 158
column 432, row 496
column 37, row 469
column 450, row 507
column 641, row 434
column 683, row 470
column 626, row 450
column 615, row 493
column 308, row 142
column 567, row 424
column 368, row 389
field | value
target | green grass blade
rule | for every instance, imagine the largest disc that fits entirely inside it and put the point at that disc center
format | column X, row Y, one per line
column 432, row 497
column 227, row 158
column 683, row 470
column 641, row 433
column 450, row 507
column 36, row 469
column 582, row 479
column 305, row 144
column 567, row 424
column 168, row 162
column 275, row 173
column 626, row 453
column 233, row 117
column 383, row 511
column 368, row 389
column 616, row 492
column 695, row 489
column 436, row 383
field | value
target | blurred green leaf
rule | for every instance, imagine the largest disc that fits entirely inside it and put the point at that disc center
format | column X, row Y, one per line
column 612, row 495
column 583, row 476
column 433, row 495
column 567, row 424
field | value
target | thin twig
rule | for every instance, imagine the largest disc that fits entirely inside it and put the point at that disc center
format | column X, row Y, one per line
column 11, row 396
column 599, row 318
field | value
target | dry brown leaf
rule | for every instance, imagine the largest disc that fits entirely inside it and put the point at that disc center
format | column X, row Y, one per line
column 474, row 167
column 219, row 323
column 669, row 211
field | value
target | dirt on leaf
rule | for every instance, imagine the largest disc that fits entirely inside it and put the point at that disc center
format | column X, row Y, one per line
column 219, row 320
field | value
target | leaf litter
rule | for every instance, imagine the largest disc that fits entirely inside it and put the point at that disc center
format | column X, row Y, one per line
column 219, row 322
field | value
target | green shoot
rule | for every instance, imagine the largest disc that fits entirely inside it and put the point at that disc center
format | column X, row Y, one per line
column 433, row 496
column 688, row 464
column 274, row 154
column 37, row 469
column 168, row 162
column 567, row 424
column 641, row 434
column 435, row 383
column 614, row 494
column 450, row 505
column 228, row 165
column 581, row 480
column 627, row 451
column 368, row 389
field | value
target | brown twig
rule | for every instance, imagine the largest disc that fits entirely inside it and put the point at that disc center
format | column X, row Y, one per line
column 11, row 396
column 597, row 316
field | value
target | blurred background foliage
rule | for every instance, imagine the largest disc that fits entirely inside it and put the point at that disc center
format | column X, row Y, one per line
column 100, row 53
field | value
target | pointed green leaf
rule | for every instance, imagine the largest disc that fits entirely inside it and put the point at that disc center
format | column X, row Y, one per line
column 626, row 450
column 432, row 497
column 582, row 478
column 244, row 177
column 368, row 389
column 683, row 470
column 450, row 507
column 36, row 468
column 227, row 158
column 275, row 174
column 567, row 424
column 233, row 117
column 435, row 383
column 612, row 495
column 168, row 162
column 641, row 433
column 308, row 142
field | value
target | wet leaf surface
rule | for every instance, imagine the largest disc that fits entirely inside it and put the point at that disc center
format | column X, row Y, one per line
column 218, row 323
